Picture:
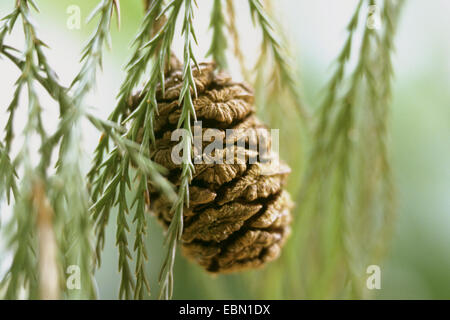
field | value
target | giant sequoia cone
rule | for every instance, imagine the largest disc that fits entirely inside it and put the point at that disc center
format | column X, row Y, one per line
column 239, row 215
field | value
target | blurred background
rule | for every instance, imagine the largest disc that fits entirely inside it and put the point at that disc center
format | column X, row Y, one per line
column 418, row 262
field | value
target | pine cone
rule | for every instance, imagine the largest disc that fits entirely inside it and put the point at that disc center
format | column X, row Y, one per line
column 239, row 214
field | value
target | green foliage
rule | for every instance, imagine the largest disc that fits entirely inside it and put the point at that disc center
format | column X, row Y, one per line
column 283, row 75
column 36, row 70
column 152, row 45
column 176, row 226
column 70, row 201
column 347, row 191
column 8, row 175
column 219, row 41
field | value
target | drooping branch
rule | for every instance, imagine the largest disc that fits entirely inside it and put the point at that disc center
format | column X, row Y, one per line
column 349, row 161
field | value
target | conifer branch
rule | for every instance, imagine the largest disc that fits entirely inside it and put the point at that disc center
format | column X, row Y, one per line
column 283, row 63
column 152, row 44
column 342, row 168
column 92, row 55
column 22, row 227
column 175, row 230
column 140, row 220
column 8, row 176
column 35, row 69
column 218, row 47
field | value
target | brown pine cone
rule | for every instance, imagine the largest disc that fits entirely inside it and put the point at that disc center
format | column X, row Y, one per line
column 239, row 214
